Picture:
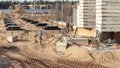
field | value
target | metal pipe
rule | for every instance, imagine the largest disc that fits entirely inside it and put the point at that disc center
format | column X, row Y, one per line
column 35, row 8
column 62, row 12
column 11, row 15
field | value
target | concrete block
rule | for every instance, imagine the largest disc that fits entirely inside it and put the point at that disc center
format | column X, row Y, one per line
column 11, row 38
column 61, row 46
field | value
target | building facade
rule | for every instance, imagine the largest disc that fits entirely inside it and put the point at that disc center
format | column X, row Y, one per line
column 108, row 15
column 99, row 14
column 86, row 16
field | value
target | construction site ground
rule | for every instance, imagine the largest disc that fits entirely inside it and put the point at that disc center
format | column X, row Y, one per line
column 29, row 54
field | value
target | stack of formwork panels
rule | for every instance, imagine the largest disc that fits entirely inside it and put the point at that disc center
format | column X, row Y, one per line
column 74, row 16
column 86, row 16
column 108, row 15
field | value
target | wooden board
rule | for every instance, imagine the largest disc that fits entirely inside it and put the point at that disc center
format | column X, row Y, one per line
column 109, row 26
column 108, row 22
column 105, row 14
column 85, row 32
column 107, row 0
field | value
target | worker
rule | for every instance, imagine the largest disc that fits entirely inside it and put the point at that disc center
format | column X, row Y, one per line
column 26, row 34
column 97, row 37
column 71, row 27
column 40, row 35
column 67, row 27
column 35, row 38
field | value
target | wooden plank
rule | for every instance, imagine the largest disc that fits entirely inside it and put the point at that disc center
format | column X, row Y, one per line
column 107, row 0
column 107, row 19
column 86, row 25
column 86, row 17
column 85, row 32
column 111, row 0
column 82, row 5
column 87, row 21
column 108, row 3
column 107, row 23
column 110, row 30
column 107, row 10
column 86, row 1
column 105, row 14
column 89, row 26
column 87, row 14
column 109, row 26
column 90, row 7
column 88, row 11
column 89, row 4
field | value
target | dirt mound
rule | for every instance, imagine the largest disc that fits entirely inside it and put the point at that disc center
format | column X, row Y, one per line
column 4, row 61
column 52, row 53
column 75, row 52
column 79, row 64
column 106, row 56
column 21, row 61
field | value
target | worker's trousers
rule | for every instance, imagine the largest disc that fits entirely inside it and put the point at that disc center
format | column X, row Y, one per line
column 40, row 40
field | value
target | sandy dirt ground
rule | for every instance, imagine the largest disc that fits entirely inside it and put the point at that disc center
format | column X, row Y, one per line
column 26, row 53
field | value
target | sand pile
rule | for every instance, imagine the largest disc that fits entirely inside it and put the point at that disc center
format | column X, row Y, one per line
column 106, row 56
column 25, row 25
column 51, row 52
column 82, row 54
column 79, row 64
column 109, row 58
column 16, row 16
column 75, row 52
column 117, row 54
column 42, row 19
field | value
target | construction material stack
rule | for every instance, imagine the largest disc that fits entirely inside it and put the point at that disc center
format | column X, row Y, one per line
column 86, row 13
column 108, row 15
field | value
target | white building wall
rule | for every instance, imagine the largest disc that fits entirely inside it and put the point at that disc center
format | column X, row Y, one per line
column 108, row 15
column 86, row 13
